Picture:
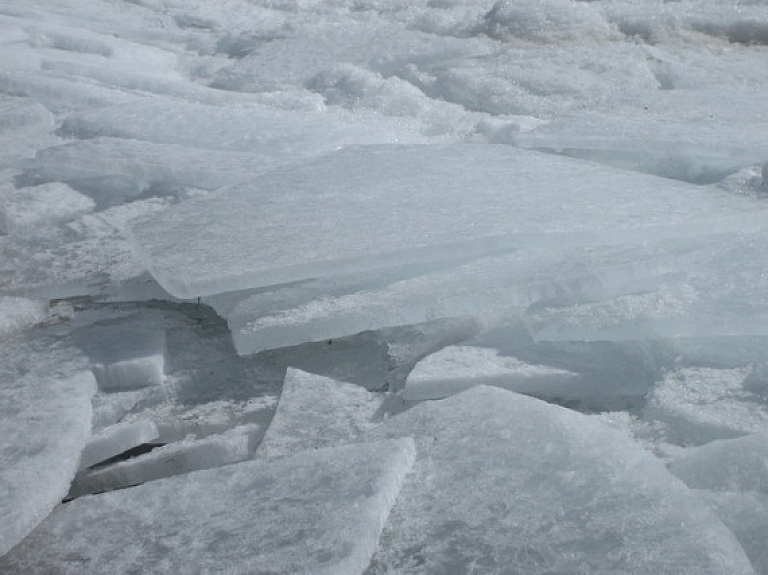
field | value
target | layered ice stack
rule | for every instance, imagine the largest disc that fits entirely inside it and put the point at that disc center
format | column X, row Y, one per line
column 371, row 287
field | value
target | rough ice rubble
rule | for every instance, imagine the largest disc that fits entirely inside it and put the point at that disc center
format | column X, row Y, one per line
column 18, row 314
column 503, row 481
column 45, row 408
column 318, row 512
column 405, row 205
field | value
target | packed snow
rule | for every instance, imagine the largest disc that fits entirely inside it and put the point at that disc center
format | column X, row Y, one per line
column 250, row 248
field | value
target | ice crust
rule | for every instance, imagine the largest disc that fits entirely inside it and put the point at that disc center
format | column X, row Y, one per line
column 316, row 412
column 369, row 207
column 457, row 368
column 506, row 482
column 45, row 413
column 319, row 512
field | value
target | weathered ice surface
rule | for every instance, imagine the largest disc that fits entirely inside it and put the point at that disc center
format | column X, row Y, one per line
column 18, row 313
column 316, row 412
column 28, row 209
column 115, row 440
column 45, row 420
column 457, row 368
column 319, row 512
column 370, row 207
column 506, row 483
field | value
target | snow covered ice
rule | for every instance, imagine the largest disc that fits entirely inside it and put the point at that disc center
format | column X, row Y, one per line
column 241, row 240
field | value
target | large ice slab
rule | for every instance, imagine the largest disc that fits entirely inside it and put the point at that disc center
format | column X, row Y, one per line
column 457, row 368
column 368, row 207
column 316, row 412
column 45, row 420
column 319, row 512
column 506, row 483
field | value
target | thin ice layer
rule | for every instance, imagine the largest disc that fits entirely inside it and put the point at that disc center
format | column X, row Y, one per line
column 316, row 412
column 369, row 207
column 319, row 512
column 45, row 420
column 456, row 368
column 504, row 483
column 117, row 439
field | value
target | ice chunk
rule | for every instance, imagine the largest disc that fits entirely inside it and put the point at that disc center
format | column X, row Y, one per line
column 27, row 209
column 316, row 412
column 700, row 404
column 369, row 207
column 261, row 131
column 18, row 313
column 506, row 483
column 171, row 459
column 457, row 368
column 127, row 353
column 115, row 440
column 318, row 512
column 727, row 465
column 45, row 420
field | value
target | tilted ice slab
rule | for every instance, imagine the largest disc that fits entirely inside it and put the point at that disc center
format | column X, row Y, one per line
column 488, row 289
column 45, row 420
column 259, row 130
column 457, row 368
column 699, row 405
column 319, row 512
column 115, row 440
column 692, row 135
column 168, row 460
column 506, row 483
column 720, row 290
column 316, row 412
column 369, row 207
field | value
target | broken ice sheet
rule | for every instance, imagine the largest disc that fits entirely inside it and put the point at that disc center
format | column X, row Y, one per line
column 18, row 313
column 318, row 512
column 45, row 420
column 115, row 440
column 370, row 207
column 506, row 483
column 316, row 412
